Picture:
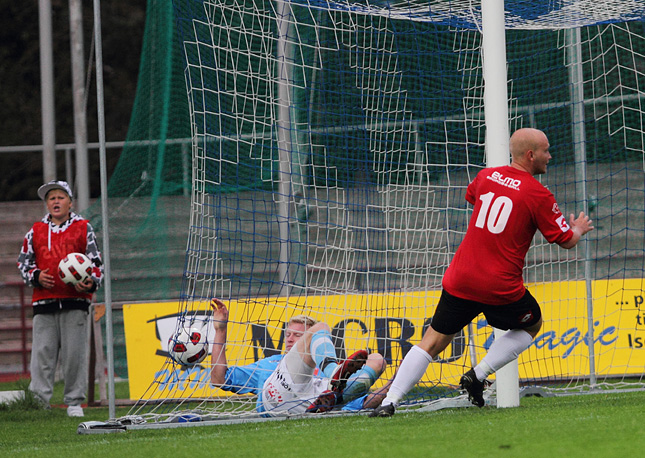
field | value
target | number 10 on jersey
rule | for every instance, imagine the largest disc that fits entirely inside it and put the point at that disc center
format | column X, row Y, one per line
column 494, row 212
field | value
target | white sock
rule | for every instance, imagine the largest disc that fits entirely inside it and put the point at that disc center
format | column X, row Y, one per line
column 503, row 350
column 412, row 368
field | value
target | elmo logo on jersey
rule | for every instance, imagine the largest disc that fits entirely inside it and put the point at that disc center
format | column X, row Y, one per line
column 505, row 181
column 562, row 222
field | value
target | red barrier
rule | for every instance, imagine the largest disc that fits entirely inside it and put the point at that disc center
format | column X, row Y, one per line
column 12, row 291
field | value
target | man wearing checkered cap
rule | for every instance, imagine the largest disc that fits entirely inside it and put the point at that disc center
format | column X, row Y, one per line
column 60, row 323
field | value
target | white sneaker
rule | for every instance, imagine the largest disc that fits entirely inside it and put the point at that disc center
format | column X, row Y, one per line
column 75, row 411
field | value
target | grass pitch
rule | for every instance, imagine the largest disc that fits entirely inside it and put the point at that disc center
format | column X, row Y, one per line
column 602, row 425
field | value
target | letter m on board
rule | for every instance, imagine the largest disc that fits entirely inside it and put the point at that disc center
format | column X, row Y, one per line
column 397, row 331
column 260, row 338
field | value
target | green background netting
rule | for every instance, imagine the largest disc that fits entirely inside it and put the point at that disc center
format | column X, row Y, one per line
column 149, row 190
column 150, row 187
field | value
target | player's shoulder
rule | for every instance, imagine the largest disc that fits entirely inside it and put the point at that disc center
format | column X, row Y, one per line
column 75, row 218
column 513, row 177
column 506, row 176
column 503, row 171
column 271, row 360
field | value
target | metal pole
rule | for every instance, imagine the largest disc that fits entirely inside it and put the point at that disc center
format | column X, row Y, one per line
column 47, row 90
column 497, row 148
column 69, row 167
column 104, row 207
column 574, row 64
column 284, row 141
column 82, row 185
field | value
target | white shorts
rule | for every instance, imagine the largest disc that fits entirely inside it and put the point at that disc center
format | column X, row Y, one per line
column 280, row 394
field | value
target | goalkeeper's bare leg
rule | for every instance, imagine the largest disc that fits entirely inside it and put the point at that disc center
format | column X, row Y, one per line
column 316, row 349
column 338, row 382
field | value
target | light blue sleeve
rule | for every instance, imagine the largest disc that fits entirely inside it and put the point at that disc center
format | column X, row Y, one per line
column 250, row 378
column 242, row 379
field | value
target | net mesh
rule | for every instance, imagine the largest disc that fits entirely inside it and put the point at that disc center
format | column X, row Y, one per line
column 332, row 143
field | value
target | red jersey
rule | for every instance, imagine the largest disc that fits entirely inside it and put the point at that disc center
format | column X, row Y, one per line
column 49, row 248
column 510, row 205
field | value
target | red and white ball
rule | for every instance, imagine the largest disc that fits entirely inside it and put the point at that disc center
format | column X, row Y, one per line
column 188, row 346
column 74, row 268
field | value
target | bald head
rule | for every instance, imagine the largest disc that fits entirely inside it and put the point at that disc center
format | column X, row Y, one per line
column 530, row 150
column 525, row 139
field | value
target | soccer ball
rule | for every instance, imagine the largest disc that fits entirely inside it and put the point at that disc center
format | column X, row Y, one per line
column 188, row 346
column 74, row 268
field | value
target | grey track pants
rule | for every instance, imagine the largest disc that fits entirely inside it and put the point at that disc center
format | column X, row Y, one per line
column 63, row 335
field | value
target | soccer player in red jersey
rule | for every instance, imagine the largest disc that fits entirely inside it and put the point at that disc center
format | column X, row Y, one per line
column 485, row 275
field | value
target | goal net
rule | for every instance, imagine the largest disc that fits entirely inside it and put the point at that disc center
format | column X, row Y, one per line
column 332, row 143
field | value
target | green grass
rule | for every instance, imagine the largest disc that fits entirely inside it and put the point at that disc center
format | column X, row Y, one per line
column 603, row 425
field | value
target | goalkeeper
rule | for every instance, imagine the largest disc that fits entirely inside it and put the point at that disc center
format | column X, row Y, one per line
column 485, row 275
column 289, row 383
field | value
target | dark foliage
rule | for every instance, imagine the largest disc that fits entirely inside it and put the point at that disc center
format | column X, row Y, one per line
column 122, row 31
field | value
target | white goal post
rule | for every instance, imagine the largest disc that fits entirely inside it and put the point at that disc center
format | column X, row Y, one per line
column 497, row 151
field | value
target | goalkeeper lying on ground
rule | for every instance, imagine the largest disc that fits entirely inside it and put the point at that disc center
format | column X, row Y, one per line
column 287, row 383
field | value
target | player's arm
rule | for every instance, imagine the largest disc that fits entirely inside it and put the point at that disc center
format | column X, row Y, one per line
column 579, row 226
column 28, row 267
column 218, row 356
column 94, row 255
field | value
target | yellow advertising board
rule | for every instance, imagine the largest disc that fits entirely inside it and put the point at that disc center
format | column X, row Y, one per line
column 392, row 323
